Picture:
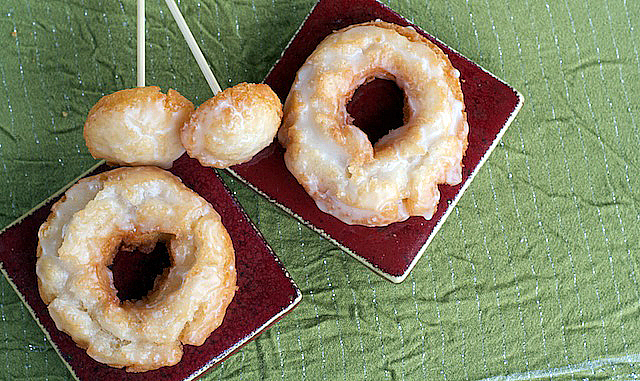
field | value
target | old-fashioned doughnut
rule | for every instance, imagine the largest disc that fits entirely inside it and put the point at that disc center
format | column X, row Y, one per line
column 138, row 126
column 233, row 126
column 347, row 176
column 136, row 207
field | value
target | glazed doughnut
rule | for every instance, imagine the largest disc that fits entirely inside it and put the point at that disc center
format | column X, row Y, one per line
column 135, row 207
column 347, row 176
column 233, row 126
column 139, row 126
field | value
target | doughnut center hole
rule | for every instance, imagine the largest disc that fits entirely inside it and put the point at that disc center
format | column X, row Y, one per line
column 135, row 269
column 377, row 108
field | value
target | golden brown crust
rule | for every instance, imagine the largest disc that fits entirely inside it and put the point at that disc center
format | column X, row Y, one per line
column 233, row 126
column 137, row 206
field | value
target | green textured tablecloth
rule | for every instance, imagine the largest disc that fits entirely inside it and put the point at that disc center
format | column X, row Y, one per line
column 534, row 275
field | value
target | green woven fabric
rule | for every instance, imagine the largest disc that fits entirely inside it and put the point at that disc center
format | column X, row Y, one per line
column 535, row 274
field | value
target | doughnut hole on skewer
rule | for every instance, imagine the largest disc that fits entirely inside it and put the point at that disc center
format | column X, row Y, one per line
column 233, row 126
column 135, row 208
column 138, row 126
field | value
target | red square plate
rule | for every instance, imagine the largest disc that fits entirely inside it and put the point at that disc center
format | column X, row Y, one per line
column 265, row 290
column 391, row 251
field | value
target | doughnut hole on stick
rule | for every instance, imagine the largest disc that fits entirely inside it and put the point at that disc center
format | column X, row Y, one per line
column 233, row 126
column 138, row 126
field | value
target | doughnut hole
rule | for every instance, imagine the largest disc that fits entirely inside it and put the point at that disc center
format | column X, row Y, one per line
column 136, row 269
column 137, row 126
column 233, row 126
column 377, row 108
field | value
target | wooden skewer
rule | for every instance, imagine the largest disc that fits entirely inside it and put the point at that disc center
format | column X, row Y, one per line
column 193, row 45
column 140, row 44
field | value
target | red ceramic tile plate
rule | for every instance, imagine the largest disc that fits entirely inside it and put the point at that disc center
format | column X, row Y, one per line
column 391, row 251
column 265, row 290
